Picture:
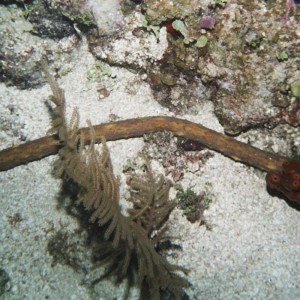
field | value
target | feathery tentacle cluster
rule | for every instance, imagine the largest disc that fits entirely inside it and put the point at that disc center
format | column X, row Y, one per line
column 128, row 239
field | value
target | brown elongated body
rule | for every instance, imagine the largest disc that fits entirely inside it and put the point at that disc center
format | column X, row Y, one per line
column 238, row 151
column 269, row 162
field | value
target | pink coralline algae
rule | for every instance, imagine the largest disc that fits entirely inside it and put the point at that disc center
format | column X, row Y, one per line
column 207, row 22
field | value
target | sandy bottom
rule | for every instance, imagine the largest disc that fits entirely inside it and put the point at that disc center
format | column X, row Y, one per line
column 250, row 250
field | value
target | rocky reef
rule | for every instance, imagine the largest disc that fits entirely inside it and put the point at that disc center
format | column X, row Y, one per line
column 242, row 56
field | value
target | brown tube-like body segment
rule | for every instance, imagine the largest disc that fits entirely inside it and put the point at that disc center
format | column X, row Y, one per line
column 28, row 152
column 228, row 146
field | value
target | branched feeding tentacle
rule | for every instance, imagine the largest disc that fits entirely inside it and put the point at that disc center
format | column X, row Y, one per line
column 100, row 194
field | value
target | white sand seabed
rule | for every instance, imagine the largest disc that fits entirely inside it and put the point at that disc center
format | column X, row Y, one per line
column 252, row 250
